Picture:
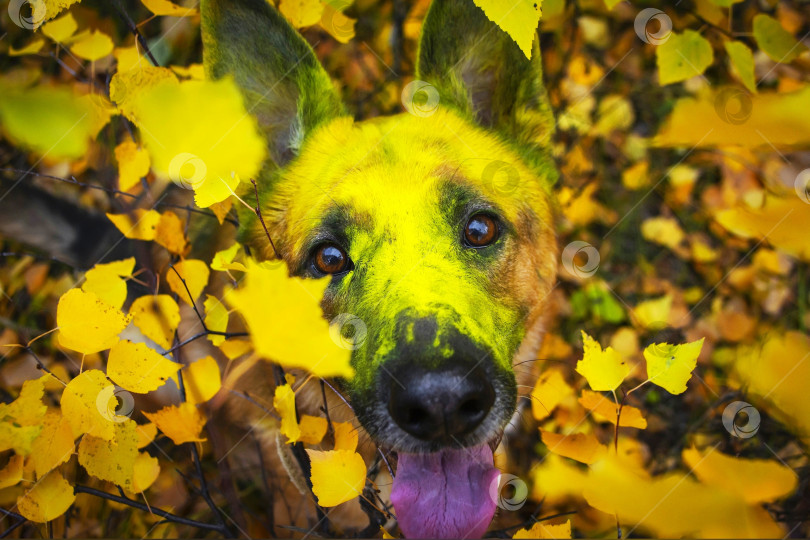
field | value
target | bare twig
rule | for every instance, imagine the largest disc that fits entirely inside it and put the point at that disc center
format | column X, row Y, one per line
column 258, row 211
column 134, row 29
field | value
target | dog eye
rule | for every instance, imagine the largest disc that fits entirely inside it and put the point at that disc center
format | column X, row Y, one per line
column 330, row 259
column 481, row 230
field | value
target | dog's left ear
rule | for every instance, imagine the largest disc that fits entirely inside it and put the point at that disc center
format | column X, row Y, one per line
column 284, row 85
column 482, row 73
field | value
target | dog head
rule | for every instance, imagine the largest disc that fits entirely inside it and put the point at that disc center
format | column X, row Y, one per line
column 435, row 227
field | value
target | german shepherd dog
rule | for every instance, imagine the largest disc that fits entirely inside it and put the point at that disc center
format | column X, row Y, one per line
column 435, row 227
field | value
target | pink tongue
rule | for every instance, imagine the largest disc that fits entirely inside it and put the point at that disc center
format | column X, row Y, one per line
column 445, row 494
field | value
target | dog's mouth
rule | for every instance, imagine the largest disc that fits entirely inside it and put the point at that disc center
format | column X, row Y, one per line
column 450, row 493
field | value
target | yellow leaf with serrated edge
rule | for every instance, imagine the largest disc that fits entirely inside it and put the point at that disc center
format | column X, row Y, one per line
column 170, row 233
column 337, row 476
column 49, row 498
column 313, row 429
column 145, row 472
column 157, row 316
column 542, row 529
column 774, row 40
column 105, row 281
column 670, row 366
column 12, row 473
column 756, row 480
column 112, row 460
column 194, row 273
column 166, row 8
column 133, row 164
column 742, row 60
column 92, row 46
column 139, row 224
column 216, row 318
column 138, row 368
column 286, row 323
column 301, row 12
column 346, row 436
column 683, row 56
column 518, row 19
column 581, row 447
column 284, row 404
column 199, row 135
column 85, row 410
column 181, row 423
column 54, row 445
column 86, row 324
column 202, row 380
column 146, row 434
column 60, row 29
column 549, row 391
column 604, row 370
column 128, row 82
column 605, row 409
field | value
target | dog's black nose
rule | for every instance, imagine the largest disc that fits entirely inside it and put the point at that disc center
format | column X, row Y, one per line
column 442, row 403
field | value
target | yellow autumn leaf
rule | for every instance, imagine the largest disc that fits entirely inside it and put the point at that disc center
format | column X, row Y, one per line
column 284, row 404
column 129, row 81
column 145, row 472
column 663, row 230
column 199, row 134
column 86, row 324
column 774, row 40
column 54, row 445
column 181, row 423
column 301, row 13
column 313, row 429
column 683, row 56
column 157, row 316
column 21, row 420
column 670, row 366
column 776, row 221
column 605, row 409
column 202, row 380
column 92, row 45
column 548, row 392
column 337, row 24
column 146, row 434
column 518, row 19
column 337, row 476
column 60, row 29
column 541, row 529
column 234, row 348
column 138, row 368
column 138, row 224
column 112, row 460
column 604, row 370
column 742, row 61
column 195, row 275
column 133, row 164
column 346, row 436
column 756, row 480
column 170, row 233
column 12, row 473
column 166, row 8
column 216, row 318
column 286, row 323
column 33, row 47
column 105, row 281
column 48, row 498
column 654, row 314
column 581, row 447
column 223, row 260
column 86, row 407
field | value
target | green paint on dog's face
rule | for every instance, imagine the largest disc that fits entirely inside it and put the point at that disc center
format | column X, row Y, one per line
column 396, row 195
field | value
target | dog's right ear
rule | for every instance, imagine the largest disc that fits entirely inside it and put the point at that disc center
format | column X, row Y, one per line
column 283, row 84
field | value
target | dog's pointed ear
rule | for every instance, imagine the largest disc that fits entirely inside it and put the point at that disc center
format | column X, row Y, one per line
column 480, row 71
column 283, row 84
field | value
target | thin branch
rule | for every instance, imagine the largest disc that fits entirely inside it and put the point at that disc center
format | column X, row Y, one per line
column 191, row 298
column 134, row 29
column 258, row 211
